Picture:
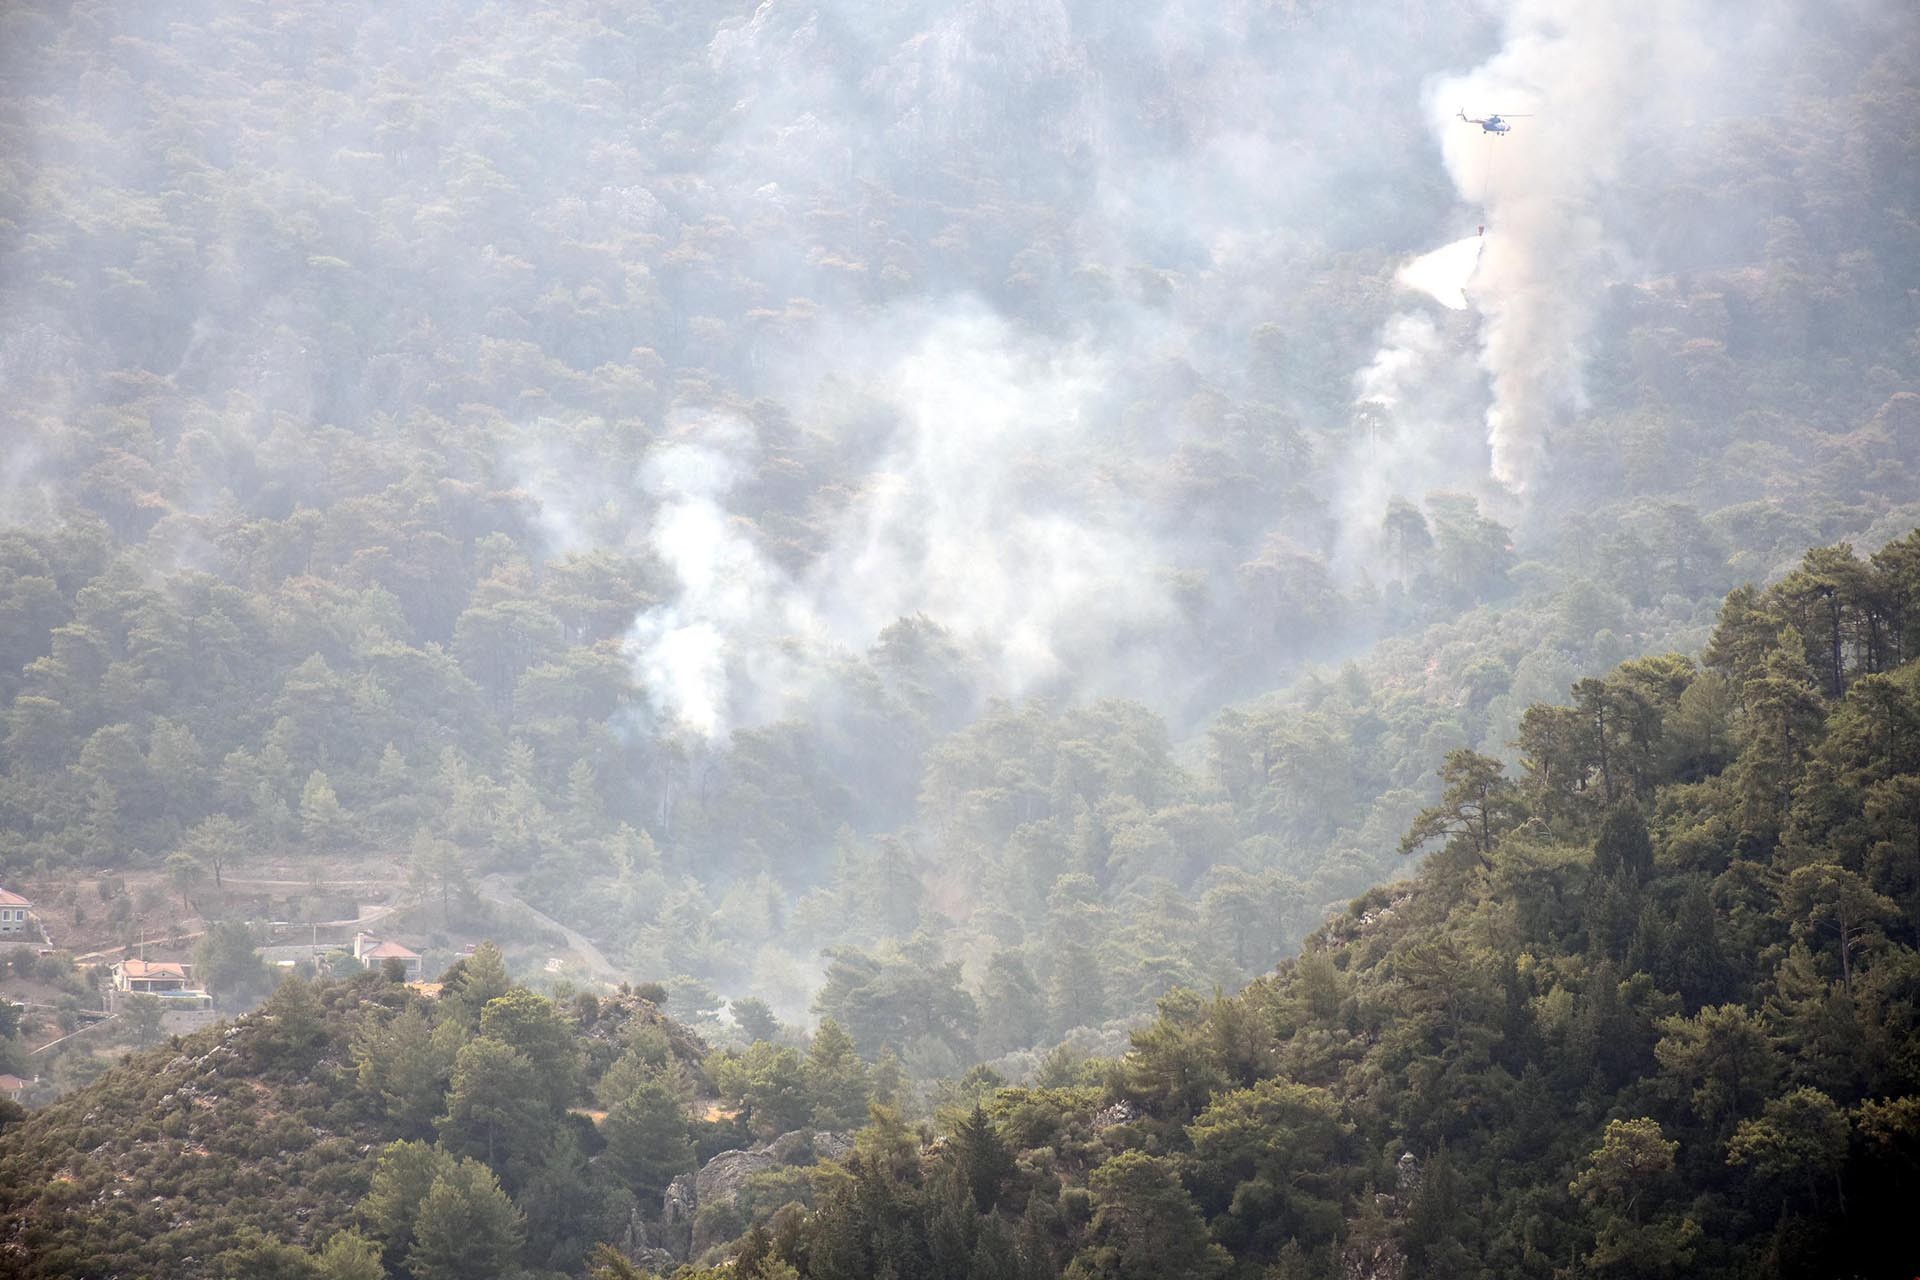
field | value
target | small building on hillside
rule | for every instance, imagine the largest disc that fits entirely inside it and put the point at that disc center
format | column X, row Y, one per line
column 16, row 916
column 12, row 1086
column 374, row 953
column 170, row 980
column 152, row 977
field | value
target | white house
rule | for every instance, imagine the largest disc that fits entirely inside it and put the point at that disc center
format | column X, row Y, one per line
column 171, row 981
column 374, row 952
column 16, row 915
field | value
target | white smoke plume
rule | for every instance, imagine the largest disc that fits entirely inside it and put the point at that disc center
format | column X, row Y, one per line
column 1409, row 402
column 1570, row 69
column 984, row 512
column 987, row 515
column 1444, row 274
column 733, row 608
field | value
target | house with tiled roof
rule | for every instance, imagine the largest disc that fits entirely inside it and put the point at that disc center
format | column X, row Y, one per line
column 16, row 915
column 374, row 952
column 171, row 980
column 152, row 977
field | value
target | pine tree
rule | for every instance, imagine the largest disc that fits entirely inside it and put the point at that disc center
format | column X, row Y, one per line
column 322, row 821
column 565, row 1205
column 1798, row 1144
column 1078, row 992
column 473, row 983
column 185, row 873
column 583, row 808
column 993, row 1253
column 1013, row 1012
column 497, row 1108
column 216, row 842
column 531, row 1024
column 466, row 1229
column 837, row 1245
column 755, row 1018
column 350, row 1256
column 1439, row 1237
column 297, row 1023
column 1815, row 1025
column 1145, row 1226
column 1720, row 1061
column 1694, row 964
column 1478, row 806
column 403, row 1175
column 404, row 1063
column 1624, row 847
column 1835, row 905
column 648, row 1143
column 436, row 865
column 836, row 1079
column 951, row 1225
column 1034, row 1243
column 981, row 1159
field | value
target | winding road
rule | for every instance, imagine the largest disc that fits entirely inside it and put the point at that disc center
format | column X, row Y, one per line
column 497, row 890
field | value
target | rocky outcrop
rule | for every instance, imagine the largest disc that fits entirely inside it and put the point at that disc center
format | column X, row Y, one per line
column 1372, row 1259
column 695, row 1204
column 717, row 1188
column 677, row 1209
column 722, row 1178
column 828, row 1145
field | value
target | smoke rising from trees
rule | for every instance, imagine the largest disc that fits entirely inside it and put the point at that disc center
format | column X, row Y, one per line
column 480, row 412
column 1595, row 86
column 966, row 405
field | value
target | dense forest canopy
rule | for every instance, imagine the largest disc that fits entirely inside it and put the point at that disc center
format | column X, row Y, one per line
column 662, row 457
column 964, row 525
column 1649, row 1009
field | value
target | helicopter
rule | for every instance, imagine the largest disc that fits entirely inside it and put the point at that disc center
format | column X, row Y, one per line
column 1495, row 123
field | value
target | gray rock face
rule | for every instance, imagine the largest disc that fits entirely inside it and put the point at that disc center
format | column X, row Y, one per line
column 643, row 1243
column 694, row 1204
column 1372, row 1260
column 722, row 1178
column 717, row 1187
column 703, row 1196
column 676, row 1216
column 828, row 1145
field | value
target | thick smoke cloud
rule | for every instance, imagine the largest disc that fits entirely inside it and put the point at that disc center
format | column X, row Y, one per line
column 1409, row 402
column 973, row 516
column 982, row 516
column 1170, row 213
column 1444, row 274
column 1590, row 91
column 729, row 601
column 1169, row 208
column 1580, row 74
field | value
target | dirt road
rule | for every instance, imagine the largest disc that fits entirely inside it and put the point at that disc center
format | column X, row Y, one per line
column 497, row 890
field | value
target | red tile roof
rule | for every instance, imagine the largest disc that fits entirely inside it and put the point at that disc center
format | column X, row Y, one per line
column 389, row 950
column 156, row 969
column 10, row 899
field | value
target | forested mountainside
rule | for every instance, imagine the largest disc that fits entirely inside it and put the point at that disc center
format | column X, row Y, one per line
column 449, row 1137
column 1651, row 1007
column 690, row 463
column 880, row 588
